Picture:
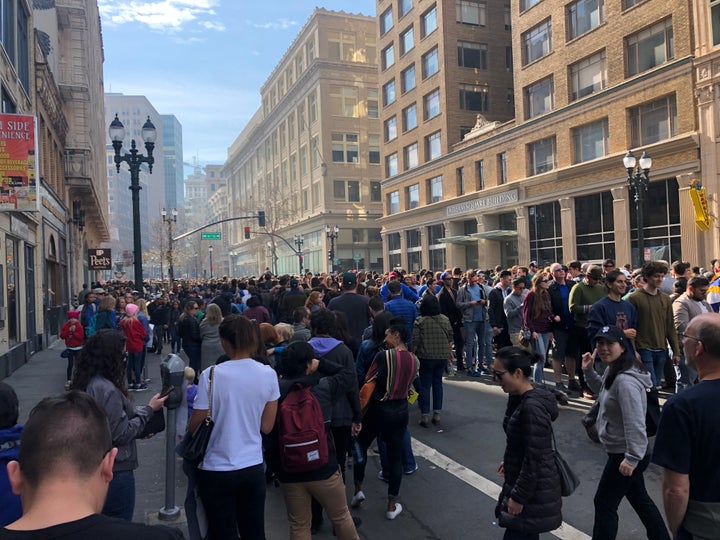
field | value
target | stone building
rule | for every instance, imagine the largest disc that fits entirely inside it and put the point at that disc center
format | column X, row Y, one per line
column 310, row 157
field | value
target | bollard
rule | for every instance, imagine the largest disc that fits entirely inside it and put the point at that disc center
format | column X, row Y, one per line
column 171, row 374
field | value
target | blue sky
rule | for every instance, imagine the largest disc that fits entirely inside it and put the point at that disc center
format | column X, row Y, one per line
column 203, row 60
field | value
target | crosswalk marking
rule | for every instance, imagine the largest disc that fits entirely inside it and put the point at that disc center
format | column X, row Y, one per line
column 489, row 488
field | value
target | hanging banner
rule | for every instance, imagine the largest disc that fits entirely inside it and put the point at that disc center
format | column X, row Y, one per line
column 18, row 167
column 700, row 204
column 99, row 259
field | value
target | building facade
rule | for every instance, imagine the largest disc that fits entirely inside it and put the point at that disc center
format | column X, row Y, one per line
column 590, row 81
column 310, row 157
column 173, row 161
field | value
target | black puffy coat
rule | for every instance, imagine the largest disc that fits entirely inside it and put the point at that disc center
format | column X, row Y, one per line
column 531, row 476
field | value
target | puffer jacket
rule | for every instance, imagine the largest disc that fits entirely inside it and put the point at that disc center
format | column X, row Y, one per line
column 531, row 476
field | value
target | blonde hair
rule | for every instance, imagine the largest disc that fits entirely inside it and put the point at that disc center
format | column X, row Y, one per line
column 189, row 374
column 285, row 331
column 213, row 315
column 142, row 306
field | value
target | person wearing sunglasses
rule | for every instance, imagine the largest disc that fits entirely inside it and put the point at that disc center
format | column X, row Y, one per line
column 530, row 502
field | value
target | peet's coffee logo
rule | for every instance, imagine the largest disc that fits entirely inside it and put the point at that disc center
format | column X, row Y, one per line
column 99, row 259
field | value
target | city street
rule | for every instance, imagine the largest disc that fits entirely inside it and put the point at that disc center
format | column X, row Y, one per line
column 451, row 496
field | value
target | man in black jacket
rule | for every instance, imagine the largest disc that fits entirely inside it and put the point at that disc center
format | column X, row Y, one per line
column 496, row 313
column 160, row 318
column 447, row 297
column 566, row 349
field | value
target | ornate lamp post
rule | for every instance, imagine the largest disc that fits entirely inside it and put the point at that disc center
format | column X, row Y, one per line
column 332, row 235
column 134, row 161
column 210, row 250
column 170, row 220
column 638, row 180
column 299, row 240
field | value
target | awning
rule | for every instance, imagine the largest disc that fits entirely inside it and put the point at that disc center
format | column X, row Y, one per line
column 462, row 239
column 497, row 234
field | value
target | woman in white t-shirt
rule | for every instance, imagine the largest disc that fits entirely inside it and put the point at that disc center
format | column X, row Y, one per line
column 231, row 480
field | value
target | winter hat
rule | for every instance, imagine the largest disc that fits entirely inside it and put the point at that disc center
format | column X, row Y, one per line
column 73, row 314
column 131, row 309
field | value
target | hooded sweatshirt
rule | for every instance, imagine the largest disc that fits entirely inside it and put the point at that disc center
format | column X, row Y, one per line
column 346, row 409
column 621, row 417
column 10, row 507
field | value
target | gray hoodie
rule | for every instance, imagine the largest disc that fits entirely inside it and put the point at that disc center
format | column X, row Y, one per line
column 621, row 418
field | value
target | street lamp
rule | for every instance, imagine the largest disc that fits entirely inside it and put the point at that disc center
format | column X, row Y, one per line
column 332, row 235
column 299, row 240
column 134, row 161
column 210, row 249
column 638, row 180
column 170, row 220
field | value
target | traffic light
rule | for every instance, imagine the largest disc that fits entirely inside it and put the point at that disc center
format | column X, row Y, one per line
column 261, row 218
column 247, row 233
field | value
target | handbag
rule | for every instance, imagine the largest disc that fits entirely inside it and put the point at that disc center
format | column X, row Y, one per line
column 155, row 424
column 525, row 337
column 195, row 445
column 366, row 393
column 568, row 479
column 589, row 422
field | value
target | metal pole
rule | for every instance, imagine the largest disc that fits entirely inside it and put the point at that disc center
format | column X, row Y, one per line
column 137, row 238
column 640, row 220
column 170, row 511
column 171, row 270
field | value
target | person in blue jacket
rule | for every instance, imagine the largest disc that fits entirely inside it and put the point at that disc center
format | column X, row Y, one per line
column 10, row 431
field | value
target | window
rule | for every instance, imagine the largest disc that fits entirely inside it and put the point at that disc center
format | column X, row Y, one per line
column 433, row 146
column 341, row 46
column 595, row 226
column 374, row 149
column 388, row 56
column 409, row 118
column 344, row 101
column 590, row 141
column 430, row 64
column 299, row 64
column 312, row 107
column 527, row 4
column 654, row 121
column 372, row 103
column 502, row 168
column 474, row 98
column 283, row 135
column 410, row 153
column 394, row 202
column 7, row 27
column 390, row 128
column 471, row 12
column 310, row 50
column 480, row 171
column 305, row 200
column 407, row 79
column 507, row 17
column 537, row 42
column 413, row 196
column 293, row 168
column 541, row 156
column 345, row 147
column 715, row 21
column 649, row 48
column 386, row 21
column 428, row 22
column 460, row 180
column 539, row 98
column 370, row 49
column 431, row 103
column 472, row 55
column 407, row 41
column 315, row 153
column 301, row 117
column 23, row 58
column 435, row 189
column 303, row 160
column 391, row 165
column 291, row 126
column 389, row 94
column 583, row 16
column 346, row 190
column 375, row 192
column 403, row 7
column 588, row 76
column 627, row 4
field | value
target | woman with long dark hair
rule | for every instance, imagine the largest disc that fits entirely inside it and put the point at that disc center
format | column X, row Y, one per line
column 100, row 371
column 538, row 318
column 189, row 331
column 622, row 394
column 530, row 501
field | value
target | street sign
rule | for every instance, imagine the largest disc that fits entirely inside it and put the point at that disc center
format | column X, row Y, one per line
column 211, row 236
column 357, row 257
column 99, row 259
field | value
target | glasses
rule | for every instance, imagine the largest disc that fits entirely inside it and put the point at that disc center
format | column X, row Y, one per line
column 497, row 375
column 683, row 335
column 544, row 280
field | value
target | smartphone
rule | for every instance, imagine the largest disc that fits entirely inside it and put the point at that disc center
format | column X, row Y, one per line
column 166, row 391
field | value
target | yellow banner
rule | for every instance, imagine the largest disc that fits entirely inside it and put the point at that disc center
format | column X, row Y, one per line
column 699, row 200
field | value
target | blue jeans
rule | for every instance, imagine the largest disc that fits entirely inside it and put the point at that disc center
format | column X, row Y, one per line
column 474, row 337
column 486, row 346
column 654, row 362
column 120, row 501
column 431, row 375
column 684, row 375
column 540, row 346
column 408, row 459
column 134, row 367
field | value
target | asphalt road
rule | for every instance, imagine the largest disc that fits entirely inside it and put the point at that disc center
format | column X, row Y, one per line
column 450, row 497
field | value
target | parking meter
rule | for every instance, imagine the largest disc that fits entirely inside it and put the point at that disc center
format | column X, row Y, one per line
column 172, row 370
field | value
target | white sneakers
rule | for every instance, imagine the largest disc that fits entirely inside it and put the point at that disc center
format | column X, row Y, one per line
column 357, row 499
column 394, row 513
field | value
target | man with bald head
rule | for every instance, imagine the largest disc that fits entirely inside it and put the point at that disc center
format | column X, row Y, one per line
column 689, row 435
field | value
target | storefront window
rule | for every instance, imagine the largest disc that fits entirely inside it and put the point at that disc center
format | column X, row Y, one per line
column 545, row 233
column 661, row 211
column 595, row 227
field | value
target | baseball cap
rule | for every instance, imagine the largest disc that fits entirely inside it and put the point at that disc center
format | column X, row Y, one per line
column 613, row 334
column 349, row 278
column 533, row 263
column 393, row 274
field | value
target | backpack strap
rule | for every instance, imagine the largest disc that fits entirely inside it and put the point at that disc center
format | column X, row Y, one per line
column 210, row 392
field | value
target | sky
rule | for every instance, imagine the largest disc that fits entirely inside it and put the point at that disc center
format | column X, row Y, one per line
column 203, row 60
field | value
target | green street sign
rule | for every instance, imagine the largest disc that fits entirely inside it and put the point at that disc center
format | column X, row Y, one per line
column 211, row 236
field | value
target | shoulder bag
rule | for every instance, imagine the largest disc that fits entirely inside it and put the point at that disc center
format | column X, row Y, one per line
column 196, row 446
column 568, row 479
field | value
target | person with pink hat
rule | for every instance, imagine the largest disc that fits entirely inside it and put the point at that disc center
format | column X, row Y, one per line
column 134, row 344
column 73, row 333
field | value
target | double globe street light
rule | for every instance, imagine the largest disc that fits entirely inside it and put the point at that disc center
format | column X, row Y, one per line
column 638, row 180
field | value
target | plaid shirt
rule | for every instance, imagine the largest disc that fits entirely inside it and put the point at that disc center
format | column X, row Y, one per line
column 432, row 337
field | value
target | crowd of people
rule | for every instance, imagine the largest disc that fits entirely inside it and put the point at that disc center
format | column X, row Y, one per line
column 364, row 344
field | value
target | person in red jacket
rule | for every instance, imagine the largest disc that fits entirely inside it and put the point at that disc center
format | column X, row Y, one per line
column 134, row 344
column 73, row 333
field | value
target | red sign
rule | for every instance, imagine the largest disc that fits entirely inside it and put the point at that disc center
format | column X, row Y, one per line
column 18, row 168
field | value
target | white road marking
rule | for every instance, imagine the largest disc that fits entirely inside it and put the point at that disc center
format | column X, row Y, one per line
column 489, row 488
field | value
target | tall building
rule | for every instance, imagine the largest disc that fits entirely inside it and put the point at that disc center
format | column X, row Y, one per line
column 590, row 82
column 173, row 161
column 310, row 157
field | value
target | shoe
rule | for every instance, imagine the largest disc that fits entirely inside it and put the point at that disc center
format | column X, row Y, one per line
column 141, row 387
column 423, row 421
column 461, row 368
column 412, row 471
column 357, row 499
column 485, row 371
column 559, row 386
column 67, row 385
column 435, row 419
column 392, row 514
column 132, row 387
column 587, row 394
column 574, row 386
column 474, row 373
column 381, row 476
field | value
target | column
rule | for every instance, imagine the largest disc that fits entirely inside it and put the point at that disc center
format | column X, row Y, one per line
column 689, row 232
column 621, row 217
column 424, row 247
column 523, row 237
column 567, row 224
column 385, row 254
column 403, row 249
column 454, row 253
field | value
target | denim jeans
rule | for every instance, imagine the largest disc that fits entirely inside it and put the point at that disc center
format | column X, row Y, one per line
column 654, row 362
column 486, row 346
column 408, row 459
column 684, row 375
column 134, row 367
column 194, row 359
column 120, row 501
column 431, row 375
column 474, row 338
column 611, row 489
column 540, row 346
column 517, row 535
column 459, row 343
column 194, row 511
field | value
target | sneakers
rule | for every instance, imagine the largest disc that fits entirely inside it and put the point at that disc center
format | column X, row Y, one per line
column 561, row 387
column 423, row 421
column 435, row 419
column 132, row 387
column 357, row 499
column 574, row 386
column 412, row 471
column 392, row 514
column 67, row 385
column 381, row 476
column 474, row 373
column 141, row 387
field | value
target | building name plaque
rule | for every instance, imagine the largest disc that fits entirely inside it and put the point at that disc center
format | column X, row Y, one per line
column 482, row 203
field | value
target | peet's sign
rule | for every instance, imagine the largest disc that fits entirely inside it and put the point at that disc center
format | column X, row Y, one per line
column 99, row 259
column 482, row 203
